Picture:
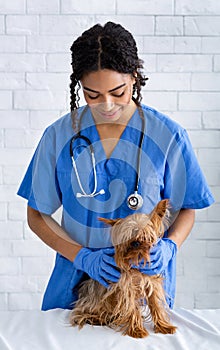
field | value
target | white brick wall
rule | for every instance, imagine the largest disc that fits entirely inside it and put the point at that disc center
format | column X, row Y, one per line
column 179, row 41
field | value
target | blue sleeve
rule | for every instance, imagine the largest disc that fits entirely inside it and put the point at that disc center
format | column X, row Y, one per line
column 39, row 185
column 184, row 181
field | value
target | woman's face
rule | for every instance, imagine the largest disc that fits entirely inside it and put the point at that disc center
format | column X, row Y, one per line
column 108, row 94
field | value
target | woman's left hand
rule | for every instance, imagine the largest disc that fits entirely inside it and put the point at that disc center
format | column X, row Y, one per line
column 160, row 256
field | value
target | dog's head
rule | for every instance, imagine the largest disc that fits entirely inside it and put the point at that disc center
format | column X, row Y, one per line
column 134, row 235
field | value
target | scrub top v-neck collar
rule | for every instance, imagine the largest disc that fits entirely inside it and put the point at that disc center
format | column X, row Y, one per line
column 88, row 121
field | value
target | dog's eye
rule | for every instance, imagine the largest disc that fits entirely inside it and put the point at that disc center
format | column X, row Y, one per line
column 135, row 244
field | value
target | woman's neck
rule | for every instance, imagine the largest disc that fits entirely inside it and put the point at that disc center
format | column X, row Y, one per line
column 110, row 133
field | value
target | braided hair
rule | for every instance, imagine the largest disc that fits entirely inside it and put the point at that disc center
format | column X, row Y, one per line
column 105, row 47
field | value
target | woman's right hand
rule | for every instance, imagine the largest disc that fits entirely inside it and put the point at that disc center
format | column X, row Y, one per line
column 98, row 264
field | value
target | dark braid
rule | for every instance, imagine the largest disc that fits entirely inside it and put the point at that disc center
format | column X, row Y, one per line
column 105, row 47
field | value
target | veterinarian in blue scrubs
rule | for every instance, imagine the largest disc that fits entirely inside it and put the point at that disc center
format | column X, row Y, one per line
column 109, row 158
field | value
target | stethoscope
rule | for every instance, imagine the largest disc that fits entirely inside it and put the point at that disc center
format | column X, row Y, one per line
column 134, row 200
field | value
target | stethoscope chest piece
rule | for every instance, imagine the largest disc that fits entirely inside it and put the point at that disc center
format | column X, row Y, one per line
column 135, row 201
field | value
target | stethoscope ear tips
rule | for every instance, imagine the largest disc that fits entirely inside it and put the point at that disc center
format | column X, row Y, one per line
column 135, row 201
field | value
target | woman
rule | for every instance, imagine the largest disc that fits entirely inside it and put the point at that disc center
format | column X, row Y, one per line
column 140, row 157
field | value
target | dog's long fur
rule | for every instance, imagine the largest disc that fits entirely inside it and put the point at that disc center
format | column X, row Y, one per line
column 120, row 306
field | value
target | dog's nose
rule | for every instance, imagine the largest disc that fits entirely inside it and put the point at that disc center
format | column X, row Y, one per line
column 135, row 244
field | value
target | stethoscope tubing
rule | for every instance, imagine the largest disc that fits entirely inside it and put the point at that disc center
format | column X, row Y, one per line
column 135, row 196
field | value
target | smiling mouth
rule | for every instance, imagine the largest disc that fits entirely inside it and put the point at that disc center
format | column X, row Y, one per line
column 110, row 115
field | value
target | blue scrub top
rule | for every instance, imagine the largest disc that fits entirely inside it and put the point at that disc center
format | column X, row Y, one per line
column 169, row 169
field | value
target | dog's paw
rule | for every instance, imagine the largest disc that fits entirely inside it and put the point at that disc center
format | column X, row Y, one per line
column 169, row 329
column 136, row 333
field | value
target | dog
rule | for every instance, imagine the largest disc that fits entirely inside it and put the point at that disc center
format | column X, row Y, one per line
column 121, row 306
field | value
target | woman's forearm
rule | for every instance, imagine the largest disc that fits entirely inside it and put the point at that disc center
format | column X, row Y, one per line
column 182, row 226
column 51, row 233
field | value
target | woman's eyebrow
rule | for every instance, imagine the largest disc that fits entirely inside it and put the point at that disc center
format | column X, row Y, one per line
column 97, row 92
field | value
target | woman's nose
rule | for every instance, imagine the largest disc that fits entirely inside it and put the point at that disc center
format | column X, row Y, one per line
column 107, row 103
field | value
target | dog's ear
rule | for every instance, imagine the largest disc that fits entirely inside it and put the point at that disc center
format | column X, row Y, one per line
column 160, row 212
column 111, row 222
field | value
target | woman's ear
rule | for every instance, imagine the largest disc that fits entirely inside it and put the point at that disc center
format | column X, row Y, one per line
column 134, row 77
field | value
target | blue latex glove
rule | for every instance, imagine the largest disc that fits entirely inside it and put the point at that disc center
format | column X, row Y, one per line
column 98, row 264
column 160, row 256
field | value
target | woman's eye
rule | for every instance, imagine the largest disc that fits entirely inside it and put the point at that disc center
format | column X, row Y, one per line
column 119, row 95
column 93, row 97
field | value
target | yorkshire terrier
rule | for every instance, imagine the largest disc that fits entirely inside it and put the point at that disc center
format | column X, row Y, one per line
column 121, row 306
